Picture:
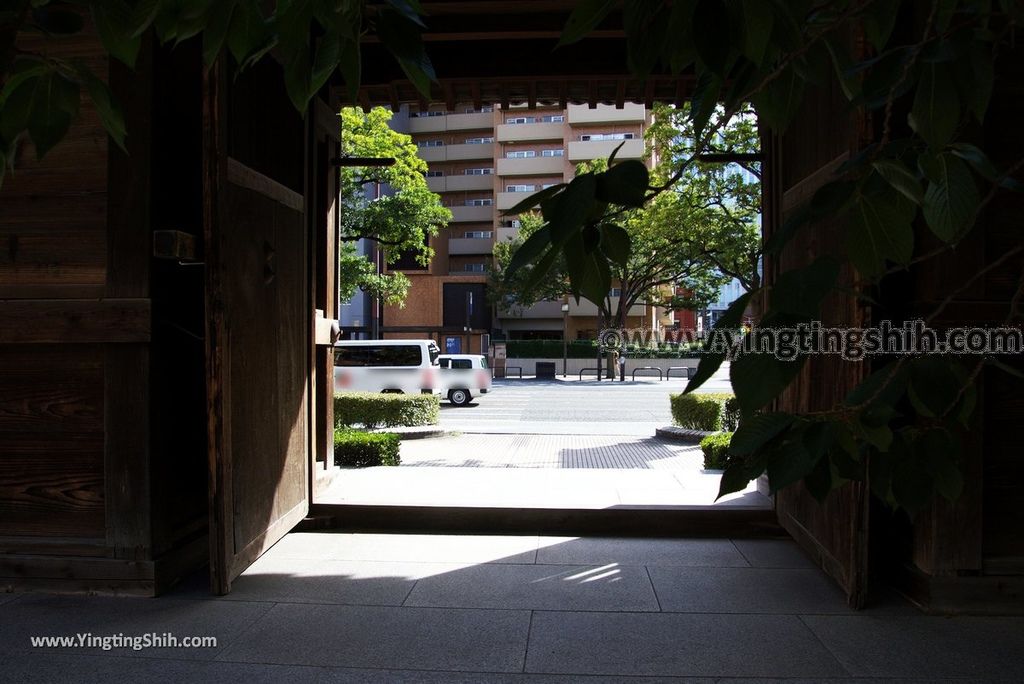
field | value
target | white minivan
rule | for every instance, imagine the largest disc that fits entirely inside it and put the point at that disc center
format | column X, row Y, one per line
column 398, row 366
column 463, row 375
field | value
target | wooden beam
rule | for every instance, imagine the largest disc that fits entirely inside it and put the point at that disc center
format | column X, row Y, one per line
column 241, row 175
column 75, row 321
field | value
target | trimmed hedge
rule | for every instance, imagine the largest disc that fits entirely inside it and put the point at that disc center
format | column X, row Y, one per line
column 357, row 449
column 372, row 410
column 705, row 412
column 716, row 450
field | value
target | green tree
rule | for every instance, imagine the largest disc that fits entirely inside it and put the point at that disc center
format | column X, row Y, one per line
column 389, row 205
column 719, row 203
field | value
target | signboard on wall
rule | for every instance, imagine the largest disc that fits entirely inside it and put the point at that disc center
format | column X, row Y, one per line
column 500, row 350
column 453, row 345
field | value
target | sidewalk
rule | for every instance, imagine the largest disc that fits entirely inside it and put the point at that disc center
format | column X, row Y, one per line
column 325, row 607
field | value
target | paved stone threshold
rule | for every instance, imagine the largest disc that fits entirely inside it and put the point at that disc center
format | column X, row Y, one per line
column 551, row 451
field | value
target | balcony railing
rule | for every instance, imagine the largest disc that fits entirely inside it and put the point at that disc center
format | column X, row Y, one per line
column 460, row 152
column 452, row 122
column 580, row 150
column 532, row 166
column 606, row 114
column 460, row 182
column 457, row 246
column 530, row 131
column 474, row 214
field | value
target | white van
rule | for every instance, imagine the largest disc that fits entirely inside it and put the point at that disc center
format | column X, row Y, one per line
column 463, row 376
column 399, row 366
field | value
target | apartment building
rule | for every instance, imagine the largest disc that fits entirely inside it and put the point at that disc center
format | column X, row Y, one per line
column 483, row 162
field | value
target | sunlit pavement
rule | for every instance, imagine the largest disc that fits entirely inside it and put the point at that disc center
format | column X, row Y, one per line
column 413, row 609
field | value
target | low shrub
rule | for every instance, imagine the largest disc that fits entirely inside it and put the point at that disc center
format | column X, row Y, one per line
column 699, row 411
column 373, row 410
column 587, row 349
column 357, row 449
column 716, row 450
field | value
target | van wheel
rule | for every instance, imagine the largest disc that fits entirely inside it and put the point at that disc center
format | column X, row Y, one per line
column 459, row 397
column 392, row 391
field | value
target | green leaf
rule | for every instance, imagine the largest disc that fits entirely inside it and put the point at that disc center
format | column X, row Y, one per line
column 624, row 184
column 936, row 109
column 402, row 39
column 779, row 101
column 297, row 79
column 758, row 20
column 899, row 177
column 616, row 243
column 571, row 207
column 885, row 386
column 788, row 463
column 710, row 362
column 108, row 110
column 586, row 16
column 1006, row 368
column 758, row 430
column 934, row 385
column 952, row 198
column 819, row 481
column 800, row 291
column 113, row 21
column 534, row 199
column 880, row 231
column 247, row 31
column 52, row 100
column 704, row 101
column 143, row 15
column 734, row 479
column 530, row 249
column 645, row 24
column 218, row 21
column 757, row 378
column 541, row 269
column 712, row 39
column 328, row 53
column 350, row 63
column 879, row 20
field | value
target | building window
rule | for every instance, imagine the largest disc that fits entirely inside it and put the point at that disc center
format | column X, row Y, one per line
column 474, row 268
column 434, row 174
column 478, row 172
column 479, row 141
column 479, row 202
column 552, row 153
column 482, row 110
column 478, row 234
column 521, row 154
column 520, row 120
column 418, row 115
column 430, row 143
column 615, row 292
column 514, row 223
column 553, row 118
column 607, row 136
column 547, row 185
column 520, row 188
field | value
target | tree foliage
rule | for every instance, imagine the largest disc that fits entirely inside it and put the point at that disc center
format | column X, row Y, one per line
column 388, row 205
column 40, row 93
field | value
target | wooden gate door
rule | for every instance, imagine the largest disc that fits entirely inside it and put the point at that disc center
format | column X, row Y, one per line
column 259, row 329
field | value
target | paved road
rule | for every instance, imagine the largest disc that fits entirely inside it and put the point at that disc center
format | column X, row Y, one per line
column 572, row 407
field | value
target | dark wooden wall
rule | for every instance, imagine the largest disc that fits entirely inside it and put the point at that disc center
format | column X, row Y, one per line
column 963, row 556
column 53, row 270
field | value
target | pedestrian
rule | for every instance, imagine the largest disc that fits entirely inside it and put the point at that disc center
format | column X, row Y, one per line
column 613, row 363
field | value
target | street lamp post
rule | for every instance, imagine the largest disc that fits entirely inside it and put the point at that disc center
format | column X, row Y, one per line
column 565, row 336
